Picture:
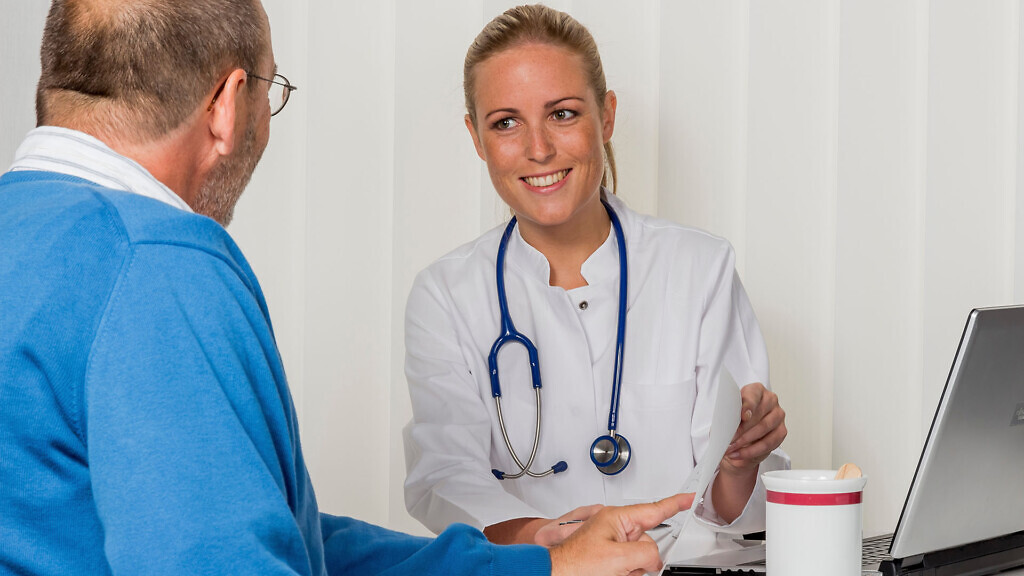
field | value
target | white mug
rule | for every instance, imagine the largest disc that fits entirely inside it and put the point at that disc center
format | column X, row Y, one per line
column 813, row 523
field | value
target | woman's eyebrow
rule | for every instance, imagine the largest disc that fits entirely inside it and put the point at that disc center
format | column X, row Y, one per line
column 499, row 110
column 551, row 104
column 554, row 103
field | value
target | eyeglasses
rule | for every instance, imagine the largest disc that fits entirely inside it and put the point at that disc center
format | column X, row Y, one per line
column 278, row 96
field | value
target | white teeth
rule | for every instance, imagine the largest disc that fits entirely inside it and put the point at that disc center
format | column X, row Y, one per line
column 545, row 181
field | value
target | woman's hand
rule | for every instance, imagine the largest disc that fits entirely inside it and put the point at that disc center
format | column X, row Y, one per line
column 543, row 531
column 555, row 531
column 762, row 429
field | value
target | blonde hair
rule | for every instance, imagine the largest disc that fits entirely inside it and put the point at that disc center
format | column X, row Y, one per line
column 539, row 24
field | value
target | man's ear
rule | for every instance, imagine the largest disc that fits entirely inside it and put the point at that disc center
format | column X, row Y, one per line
column 475, row 137
column 227, row 106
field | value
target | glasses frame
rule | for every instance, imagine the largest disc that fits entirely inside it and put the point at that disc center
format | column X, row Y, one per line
column 288, row 86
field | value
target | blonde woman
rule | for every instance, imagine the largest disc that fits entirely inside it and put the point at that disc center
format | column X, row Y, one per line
column 632, row 319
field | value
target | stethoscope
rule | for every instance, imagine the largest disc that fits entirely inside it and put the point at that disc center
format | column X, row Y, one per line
column 610, row 452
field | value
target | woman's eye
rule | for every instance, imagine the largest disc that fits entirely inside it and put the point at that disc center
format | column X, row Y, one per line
column 563, row 115
column 506, row 124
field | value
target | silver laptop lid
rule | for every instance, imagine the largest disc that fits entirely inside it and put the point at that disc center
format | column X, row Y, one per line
column 969, row 483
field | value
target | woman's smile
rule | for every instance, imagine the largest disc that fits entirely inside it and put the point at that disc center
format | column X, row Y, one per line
column 546, row 183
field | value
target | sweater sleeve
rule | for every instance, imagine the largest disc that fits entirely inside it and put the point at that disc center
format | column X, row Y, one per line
column 355, row 548
column 191, row 435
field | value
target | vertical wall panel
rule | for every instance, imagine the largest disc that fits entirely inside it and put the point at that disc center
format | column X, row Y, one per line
column 436, row 179
column 878, row 247
column 971, row 107
column 437, row 170
column 1018, row 285
column 628, row 37
column 790, row 209
column 347, row 129
column 493, row 209
column 21, row 30
column 703, row 120
column 1010, row 143
column 279, row 259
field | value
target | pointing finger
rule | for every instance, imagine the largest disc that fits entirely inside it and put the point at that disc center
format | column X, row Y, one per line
column 640, row 518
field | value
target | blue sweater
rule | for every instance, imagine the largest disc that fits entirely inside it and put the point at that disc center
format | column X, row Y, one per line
column 146, row 425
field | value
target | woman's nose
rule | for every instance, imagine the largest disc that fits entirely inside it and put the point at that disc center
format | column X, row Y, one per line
column 540, row 148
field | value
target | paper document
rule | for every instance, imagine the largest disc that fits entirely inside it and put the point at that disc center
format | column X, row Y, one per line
column 723, row 427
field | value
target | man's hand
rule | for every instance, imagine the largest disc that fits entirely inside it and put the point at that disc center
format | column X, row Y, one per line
column 614, row 542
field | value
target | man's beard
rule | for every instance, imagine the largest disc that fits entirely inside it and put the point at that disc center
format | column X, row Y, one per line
column 224, row 186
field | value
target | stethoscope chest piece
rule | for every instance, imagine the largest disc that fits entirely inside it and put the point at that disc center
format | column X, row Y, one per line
column 610, row 453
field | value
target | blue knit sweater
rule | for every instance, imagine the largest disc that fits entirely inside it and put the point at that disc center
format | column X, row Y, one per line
column 146, row 425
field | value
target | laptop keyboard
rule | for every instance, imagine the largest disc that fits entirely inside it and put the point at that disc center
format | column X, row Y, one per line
column 876, row 549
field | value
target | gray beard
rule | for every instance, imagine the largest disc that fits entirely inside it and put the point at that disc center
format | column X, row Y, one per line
column 219, row 194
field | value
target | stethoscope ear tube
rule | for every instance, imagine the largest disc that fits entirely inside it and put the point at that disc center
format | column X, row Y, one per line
column 560, row 466
column 510, row 334
column 610, row 453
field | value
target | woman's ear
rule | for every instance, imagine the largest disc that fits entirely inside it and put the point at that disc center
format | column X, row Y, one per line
column 608, row 115
column 475, row 137
column 224, row 111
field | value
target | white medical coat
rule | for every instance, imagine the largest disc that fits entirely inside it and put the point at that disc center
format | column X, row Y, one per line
column 687, row 317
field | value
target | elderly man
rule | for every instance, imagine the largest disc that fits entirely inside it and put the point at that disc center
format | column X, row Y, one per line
column 146, row 424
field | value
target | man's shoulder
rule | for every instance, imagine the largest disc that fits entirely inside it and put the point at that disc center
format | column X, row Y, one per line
column 46, row 199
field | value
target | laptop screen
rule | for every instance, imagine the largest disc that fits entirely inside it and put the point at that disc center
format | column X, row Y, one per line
column 968, row 483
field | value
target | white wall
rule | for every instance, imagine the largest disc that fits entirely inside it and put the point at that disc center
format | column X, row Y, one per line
column 863, row 157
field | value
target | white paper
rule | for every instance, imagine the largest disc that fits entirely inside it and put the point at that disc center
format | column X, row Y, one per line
column 723, row 427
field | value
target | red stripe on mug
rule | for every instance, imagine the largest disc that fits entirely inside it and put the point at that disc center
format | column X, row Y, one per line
column 794, row 499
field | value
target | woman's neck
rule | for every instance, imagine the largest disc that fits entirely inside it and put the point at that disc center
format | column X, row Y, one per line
column 568, row 246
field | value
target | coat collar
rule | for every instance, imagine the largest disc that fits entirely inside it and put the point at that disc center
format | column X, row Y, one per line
column 601, row 268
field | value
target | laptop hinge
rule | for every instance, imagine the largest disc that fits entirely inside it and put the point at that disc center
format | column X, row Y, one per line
column 976, row 559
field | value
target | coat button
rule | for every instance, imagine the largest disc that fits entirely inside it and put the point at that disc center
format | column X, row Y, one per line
column 583, row 305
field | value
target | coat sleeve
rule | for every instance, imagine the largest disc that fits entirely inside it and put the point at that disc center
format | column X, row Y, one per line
column 730, row 339
column 355, row 548
column 448, row 442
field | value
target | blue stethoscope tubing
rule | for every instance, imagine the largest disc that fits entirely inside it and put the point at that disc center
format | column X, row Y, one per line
column 610, row 453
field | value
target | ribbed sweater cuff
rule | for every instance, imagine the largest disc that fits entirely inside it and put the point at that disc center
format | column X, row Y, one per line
column 521, row 560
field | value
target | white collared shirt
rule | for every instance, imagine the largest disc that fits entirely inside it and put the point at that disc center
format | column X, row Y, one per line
column 74, row 153
column 688, row 317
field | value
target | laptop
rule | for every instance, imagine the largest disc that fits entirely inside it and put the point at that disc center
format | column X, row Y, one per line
column 964, row 513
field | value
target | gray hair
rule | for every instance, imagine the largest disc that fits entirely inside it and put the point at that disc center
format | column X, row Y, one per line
column 141, row 67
